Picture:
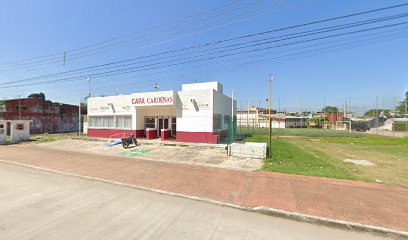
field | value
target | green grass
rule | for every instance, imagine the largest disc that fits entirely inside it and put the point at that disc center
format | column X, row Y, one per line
column 371, row 140
column 316, row 152
column 295, row 160
column 305, row 132
column 49, row 137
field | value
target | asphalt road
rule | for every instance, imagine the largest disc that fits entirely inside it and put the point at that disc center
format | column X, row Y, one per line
column 35, row 204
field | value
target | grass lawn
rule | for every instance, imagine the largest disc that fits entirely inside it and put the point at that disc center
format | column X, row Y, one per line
column 305, row 132
column 316, row 152
column 49, row 137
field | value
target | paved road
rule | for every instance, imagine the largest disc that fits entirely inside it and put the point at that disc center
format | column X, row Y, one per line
column 35, row 204
column 366, row 203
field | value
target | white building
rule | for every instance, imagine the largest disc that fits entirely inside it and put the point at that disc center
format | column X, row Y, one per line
column 18, row 130
column 200, row 112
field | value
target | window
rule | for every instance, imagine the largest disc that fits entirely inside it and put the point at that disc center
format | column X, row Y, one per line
column 21, row 108
column 101, row 121
column 20, row 126
column 128, row 122
column 92, row 121
column 98, row 122
column 150, row 123
column 120, row 122
column 124, row 122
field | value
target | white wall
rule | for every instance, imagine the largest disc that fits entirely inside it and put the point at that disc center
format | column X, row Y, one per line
column 223, row 106
column 193, row 109
column 195, row 113
column 202, row 86
column 17, row 135
column 127, row 105
column 3, row 131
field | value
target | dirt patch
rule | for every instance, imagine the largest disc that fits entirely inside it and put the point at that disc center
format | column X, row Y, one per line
column 215, row 157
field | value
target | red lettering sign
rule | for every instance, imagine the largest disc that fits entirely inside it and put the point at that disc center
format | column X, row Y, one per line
column 153, row 100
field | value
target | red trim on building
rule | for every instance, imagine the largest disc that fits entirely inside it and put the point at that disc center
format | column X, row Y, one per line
column 106, row 133
column 197, row 137
column 165, row 134
column 151, row 134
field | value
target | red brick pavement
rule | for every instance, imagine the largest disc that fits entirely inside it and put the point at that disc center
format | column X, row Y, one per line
column 366, row 203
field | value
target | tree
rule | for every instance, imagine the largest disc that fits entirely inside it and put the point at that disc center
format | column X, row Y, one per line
column 401, row 108
column 378, row 112
column 330, row 109
column 318, row 121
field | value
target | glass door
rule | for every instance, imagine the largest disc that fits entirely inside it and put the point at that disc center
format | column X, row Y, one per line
column 173, row 126
column 160, row 126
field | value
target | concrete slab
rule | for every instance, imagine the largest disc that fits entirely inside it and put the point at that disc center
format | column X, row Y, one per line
column 359, row 162
column 215, row 156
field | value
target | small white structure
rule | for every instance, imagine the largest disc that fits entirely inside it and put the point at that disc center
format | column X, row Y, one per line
column 3, row 131
column 248, row 149
column 19, row 130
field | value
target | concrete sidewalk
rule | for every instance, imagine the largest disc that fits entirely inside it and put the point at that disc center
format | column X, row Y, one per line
column 365, row 203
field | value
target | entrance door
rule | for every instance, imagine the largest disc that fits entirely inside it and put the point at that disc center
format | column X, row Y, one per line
column 173, row 126
column 163, row 124
column 160, row 125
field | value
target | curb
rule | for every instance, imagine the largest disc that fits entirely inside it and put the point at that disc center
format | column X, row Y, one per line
column 387, row 232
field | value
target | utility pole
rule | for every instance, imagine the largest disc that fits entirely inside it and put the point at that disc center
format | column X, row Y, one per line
column 248, row 117
column 301, row 112
column 376, row 115
column 19, row 107
column 270, row 116
column 79, row 118
column 393, row 117
column 406, row 112
column 89, row 87
column 232, row 116
column 279, row 115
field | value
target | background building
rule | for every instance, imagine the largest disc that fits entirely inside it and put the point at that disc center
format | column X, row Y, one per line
column 45, row 116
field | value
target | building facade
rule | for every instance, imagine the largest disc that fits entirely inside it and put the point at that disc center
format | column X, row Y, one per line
column 200, row 113
column 45, row 116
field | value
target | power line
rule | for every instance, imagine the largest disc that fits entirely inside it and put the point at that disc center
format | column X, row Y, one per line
column 122, row 36
column 276, row 39
column 171, row 62
column 58, row 59
column 264, row 61
column 283, row 58
column 340, row 17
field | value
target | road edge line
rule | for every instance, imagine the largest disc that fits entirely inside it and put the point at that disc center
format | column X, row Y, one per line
column 301, row 217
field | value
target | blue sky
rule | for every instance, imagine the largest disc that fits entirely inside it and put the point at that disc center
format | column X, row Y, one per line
column 30, row 29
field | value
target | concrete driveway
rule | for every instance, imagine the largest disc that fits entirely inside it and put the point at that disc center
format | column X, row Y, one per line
column 193, row 154
column 35, row 204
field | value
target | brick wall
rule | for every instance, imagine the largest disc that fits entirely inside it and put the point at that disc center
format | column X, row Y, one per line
column 46, row 116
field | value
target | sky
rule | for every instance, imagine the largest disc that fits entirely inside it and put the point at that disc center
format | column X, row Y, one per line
column 368, row 70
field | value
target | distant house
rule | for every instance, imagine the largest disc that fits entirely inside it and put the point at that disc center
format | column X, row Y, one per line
column 255, row 117
column 45, row 116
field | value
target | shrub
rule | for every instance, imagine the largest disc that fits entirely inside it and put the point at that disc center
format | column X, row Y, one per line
column 400, row 126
